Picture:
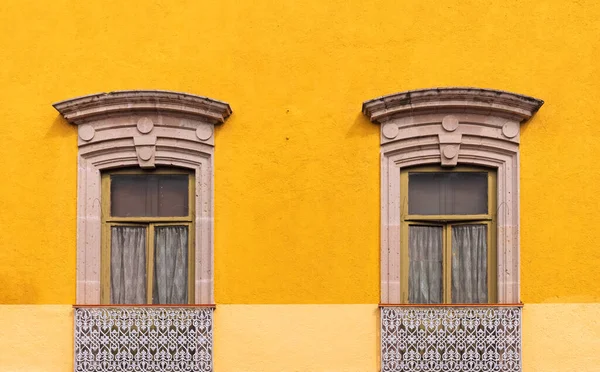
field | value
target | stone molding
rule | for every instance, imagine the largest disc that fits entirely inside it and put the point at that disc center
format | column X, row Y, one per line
column 83, row 109
column 453, row 99
column 451, row 126
column 145, row 129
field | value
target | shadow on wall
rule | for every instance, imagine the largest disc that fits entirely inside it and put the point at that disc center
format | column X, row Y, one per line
column 60, row 128
column 16, row 287
column 363, row 127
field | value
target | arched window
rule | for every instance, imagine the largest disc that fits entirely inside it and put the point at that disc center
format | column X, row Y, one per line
column 446, row 128
column 145, row 178
column 450, row 228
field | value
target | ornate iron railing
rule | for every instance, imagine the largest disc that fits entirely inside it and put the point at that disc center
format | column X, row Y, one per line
column 451, row 338
column 144, row 338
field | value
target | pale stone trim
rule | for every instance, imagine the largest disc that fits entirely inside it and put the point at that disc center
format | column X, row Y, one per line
column 94, row 106
column 146, row 129
column 450, row 126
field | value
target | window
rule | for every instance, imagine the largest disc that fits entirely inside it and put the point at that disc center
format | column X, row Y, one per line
column 144, row 229
column 450, row 228
column 447, row 248
column 450, row 127
column 147, row 239
column 144, row 132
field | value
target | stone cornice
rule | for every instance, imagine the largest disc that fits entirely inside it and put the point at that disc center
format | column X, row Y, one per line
column 454, row 99
column 88, row 108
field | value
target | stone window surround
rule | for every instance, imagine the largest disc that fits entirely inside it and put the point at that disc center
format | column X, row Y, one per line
column 145, row 128
column 450, row 126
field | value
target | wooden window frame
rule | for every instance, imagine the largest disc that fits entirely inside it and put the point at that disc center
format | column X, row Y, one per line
column 108, row 221
column 447, row 222
column 449, row 127
column 145, row 129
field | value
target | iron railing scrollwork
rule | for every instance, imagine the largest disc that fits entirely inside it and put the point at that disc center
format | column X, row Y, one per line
column 143, row 339
column 451, row 338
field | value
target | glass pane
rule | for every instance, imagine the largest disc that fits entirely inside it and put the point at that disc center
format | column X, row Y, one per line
column 469, row 264
column 448, row 193
column 128, row 196
column 170, row 265
column 143, row 195
column 173, row 195
column 425, row 264
column 128, row 265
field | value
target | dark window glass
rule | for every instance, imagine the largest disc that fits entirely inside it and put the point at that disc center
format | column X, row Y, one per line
column 444, row 193
column 156, row 195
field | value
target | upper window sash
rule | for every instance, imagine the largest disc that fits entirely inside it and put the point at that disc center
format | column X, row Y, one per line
column 107, row 191
column 490, row 176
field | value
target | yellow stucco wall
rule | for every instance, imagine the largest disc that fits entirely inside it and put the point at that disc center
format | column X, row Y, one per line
column 297, row 166
column 36, row 338
column 286, row 338
column 289, row 338
column 561, row 337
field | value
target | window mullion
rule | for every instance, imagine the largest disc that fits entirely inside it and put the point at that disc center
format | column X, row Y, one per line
column 447, row 263
column 150, row 262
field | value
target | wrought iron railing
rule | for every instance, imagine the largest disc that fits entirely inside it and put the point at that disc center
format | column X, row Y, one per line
column 143, row 338
column 451, row 338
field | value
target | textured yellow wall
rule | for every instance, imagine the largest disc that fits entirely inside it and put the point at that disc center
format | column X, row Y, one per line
column 561, row 337
column 286, row 338
column 297, row 166
column 36, row 338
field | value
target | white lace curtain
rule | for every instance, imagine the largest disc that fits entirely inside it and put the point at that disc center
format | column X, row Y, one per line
column 426, row 267
column 469, row 264
column 128, row 265
column 170, row 265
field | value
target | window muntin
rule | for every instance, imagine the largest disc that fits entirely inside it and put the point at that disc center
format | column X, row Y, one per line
column 147, row 237
column 448, row 256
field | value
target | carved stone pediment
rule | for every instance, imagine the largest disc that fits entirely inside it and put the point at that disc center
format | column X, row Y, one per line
column 143, row 120
column 450, row 118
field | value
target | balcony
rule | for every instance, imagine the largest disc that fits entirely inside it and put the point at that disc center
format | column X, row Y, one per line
column 451, row 338
column 143, row 338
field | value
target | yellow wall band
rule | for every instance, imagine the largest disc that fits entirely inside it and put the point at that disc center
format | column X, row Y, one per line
column 275, row 338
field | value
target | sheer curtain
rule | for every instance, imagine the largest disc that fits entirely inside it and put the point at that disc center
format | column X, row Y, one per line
column 469, row 264
column 425, row 264
column 170, row 265
column 128, row 265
